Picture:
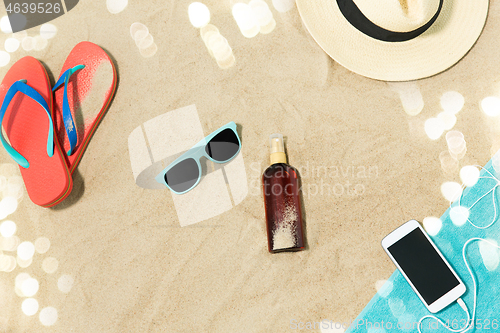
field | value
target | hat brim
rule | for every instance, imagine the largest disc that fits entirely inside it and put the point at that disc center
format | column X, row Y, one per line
column 448, row 40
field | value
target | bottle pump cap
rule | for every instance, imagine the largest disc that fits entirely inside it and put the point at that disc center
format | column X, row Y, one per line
column 277, row 149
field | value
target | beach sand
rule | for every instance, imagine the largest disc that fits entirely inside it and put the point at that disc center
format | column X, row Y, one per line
column 366, row 167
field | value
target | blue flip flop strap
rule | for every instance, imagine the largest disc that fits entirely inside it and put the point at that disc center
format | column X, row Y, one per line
column 69, row 124
column 21, row 86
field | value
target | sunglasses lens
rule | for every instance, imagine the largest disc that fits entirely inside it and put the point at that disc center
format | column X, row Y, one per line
column 223, row 146
column 183, row 175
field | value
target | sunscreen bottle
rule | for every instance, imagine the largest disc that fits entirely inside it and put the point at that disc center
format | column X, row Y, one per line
column 281, row 187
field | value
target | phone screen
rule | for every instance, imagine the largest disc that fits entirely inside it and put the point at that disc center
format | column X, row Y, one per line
column 423, row 266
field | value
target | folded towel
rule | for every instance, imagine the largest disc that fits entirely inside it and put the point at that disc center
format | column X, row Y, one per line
column 396, row 308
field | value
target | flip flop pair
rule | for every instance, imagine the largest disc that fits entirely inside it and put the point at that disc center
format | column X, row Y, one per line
column 49, row 129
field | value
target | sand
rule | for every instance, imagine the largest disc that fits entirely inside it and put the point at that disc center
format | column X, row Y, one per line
column 366, row 165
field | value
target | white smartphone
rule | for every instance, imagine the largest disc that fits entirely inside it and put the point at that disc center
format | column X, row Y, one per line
column 423, row 266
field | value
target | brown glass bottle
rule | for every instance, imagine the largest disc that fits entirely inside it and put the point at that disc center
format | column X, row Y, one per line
column 281, row 188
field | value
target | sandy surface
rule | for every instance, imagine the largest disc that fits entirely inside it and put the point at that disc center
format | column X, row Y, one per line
column 136, row 270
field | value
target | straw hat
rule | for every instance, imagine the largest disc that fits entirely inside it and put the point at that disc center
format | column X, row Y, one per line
column 395, row 40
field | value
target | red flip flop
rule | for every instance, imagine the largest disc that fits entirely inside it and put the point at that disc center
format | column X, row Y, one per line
column 26, row 115
column 89, row 79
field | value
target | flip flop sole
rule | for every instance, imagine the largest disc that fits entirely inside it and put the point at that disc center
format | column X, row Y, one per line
column 90, row 91
column 47, row 179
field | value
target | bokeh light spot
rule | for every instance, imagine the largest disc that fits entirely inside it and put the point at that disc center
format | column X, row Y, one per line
column 283, row 6
column 199, row 14
column 140, row 35
column 451, row 191
column 449, row 120
column 145, row 42
column 28, row 43
column 8, row 228
column 42, row 245
column 15, row 187
column 459, row 215
column 30, row 287
column 4, row 262
column 135, row 27
column 48, row 31
column 469, row 175
column 39, row 43
column 432, row 225
column 11, row 265
column 48, row 316
column 8, row 205
column 448, row 163
column 434, row 128
column 20, row 278
column 116, row 6
column 11, row 44
column 397, row 306
column 3, row 182
column 384, row 287
column 4, row 58
column 149, row 51
column 263, row 15
column 50, row 265
column 5, row 25
column 452, row 101
column 246, row 20
column 10, row 243
column 410, row 96
column 65, row 283
column 491, row 106
column 456, row 144
column 25, row 250
column 489, row 253
column 24, row 263
column 29, row 306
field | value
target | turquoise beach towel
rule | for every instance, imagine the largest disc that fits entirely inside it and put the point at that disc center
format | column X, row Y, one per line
column 396, row 308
